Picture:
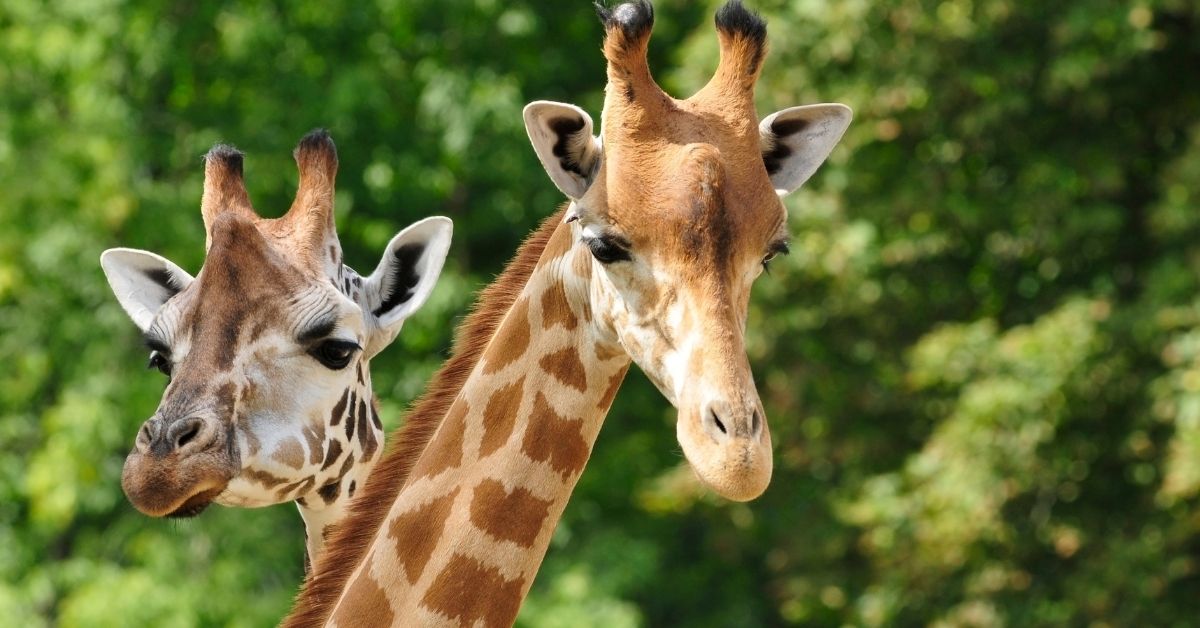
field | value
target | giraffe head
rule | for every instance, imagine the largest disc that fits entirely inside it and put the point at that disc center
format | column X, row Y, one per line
column 266, row 350
column 679, row 202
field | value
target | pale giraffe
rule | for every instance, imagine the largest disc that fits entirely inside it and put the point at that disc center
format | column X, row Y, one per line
column 267, row 350
column 675, row 210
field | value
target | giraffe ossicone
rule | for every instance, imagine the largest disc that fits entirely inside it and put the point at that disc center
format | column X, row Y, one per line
column 674, row 212
column 267, row 349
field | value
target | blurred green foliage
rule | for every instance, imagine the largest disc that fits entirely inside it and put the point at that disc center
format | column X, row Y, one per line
column 981, row 362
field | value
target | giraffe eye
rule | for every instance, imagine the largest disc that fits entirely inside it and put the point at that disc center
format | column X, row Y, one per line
column 334, row 354
column 607, row 250
column 777, row 249
column 160, row 362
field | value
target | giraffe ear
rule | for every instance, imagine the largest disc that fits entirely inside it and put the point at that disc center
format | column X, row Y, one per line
column 142, row 281
column 405, row 276
column 562, row 138
column 796, row 141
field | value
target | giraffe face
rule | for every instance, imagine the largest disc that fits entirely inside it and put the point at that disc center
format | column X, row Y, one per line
column 674, row 260
column 678, row 203
column 266, row 353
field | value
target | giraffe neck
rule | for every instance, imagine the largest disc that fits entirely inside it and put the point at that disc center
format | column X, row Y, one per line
column 342, row 455
column 467, row 533
column 321, row 517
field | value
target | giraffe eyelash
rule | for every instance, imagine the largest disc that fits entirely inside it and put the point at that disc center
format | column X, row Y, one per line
column 335, row 354
column 778, row 248
column 159, row 360
column 607, row 249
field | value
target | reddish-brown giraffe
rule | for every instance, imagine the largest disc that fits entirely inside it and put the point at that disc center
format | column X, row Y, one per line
column 267, row 351
column 674, row 212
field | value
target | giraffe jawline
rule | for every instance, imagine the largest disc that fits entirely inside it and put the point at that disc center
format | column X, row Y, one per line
column 194, row 505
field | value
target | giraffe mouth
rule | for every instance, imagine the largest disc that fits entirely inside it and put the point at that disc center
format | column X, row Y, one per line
column 195, row 504
column 170, row 487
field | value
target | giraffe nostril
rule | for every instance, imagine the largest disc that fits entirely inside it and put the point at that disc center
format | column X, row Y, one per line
column 186, row 431
column 717, row 422
column 144, row 442
column 188, row 435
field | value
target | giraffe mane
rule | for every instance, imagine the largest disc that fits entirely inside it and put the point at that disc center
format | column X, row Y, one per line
column 352, row 536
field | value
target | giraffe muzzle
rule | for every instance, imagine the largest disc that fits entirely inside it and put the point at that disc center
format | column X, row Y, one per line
column 728, row 446
column 177, row 468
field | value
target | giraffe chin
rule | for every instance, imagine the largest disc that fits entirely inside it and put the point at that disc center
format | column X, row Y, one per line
column 736, row 468
column 170, row 488
column 195, row 504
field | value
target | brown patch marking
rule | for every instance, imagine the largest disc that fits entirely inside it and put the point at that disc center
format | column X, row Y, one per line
column 350, row 422
column 268, row 480
column 566, row 367
column 560, row 242
column 370, row 442
column 418, row 532
column 556, row 310
column 445, row 450
column 517, row 516
column 614, row 384
column 555, row 439
column 346, row 466
column 300, row 488
column 258, row 330
column 366, row 436
column 290, row 453
column 375, row 414
column 365, row 599
column 470, row 592
column 500, row 416
column 339, row 409
column 330, row 491
column 515, row 334
column 226, row 395
column 332, row 451
column 606, row 352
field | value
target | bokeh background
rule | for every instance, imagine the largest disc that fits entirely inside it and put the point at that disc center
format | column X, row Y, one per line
column 981, row 362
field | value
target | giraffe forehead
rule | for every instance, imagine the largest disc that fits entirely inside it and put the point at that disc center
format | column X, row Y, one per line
column 241, row 258
column 692, row 200
column 226, row 317
column 685, row 136
column 246, row 293
column 707, row 118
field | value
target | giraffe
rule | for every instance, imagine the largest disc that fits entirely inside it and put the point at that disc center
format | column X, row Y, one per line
column 674, row 211
column 267, row 350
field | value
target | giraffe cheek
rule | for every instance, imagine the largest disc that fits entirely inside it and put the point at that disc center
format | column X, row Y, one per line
column 657, row 360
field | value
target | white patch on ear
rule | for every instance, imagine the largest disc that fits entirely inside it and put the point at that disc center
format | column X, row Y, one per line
column 405, row 276
column 142, row 281
column 796, row 141
column 561, row 135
